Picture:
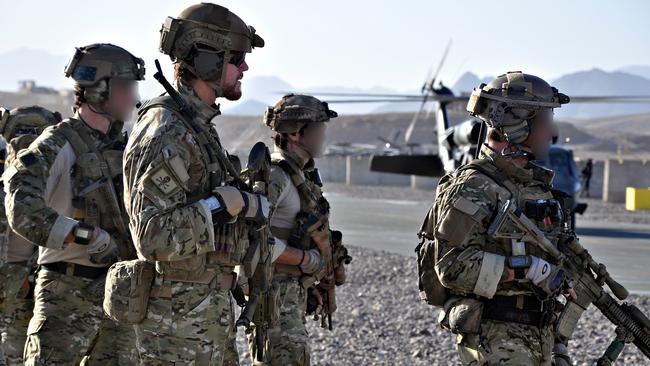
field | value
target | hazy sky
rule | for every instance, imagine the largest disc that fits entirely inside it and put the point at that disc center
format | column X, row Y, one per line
column 361, row 42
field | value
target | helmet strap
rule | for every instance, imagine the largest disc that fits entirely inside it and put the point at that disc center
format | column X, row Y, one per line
column 101, row 111
column 308, row 149
column 218, row 89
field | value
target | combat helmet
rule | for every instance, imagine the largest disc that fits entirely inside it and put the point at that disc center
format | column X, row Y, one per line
column 511, row 101
column 294, row 111
column 26, row 121
column 206, row 37
column 92, row 67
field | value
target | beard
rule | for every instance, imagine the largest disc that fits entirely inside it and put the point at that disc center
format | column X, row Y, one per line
column 232, row 92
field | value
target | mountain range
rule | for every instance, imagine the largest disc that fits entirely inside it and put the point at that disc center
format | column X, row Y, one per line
column 632, row 80
column 261, row 91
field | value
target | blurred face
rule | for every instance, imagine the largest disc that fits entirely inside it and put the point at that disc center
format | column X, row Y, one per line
column 123, row 98
column 313, row 138
column 234, row 73
column 542, row 132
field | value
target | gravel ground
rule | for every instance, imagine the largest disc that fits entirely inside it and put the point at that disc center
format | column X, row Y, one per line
column 380, row 321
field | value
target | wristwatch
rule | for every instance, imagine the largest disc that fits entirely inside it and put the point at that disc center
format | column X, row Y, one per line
column 519, row 263
column 83, row 233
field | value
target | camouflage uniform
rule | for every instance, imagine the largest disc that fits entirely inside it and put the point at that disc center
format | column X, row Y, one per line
column 69, row 287
column 464, row 209
column 288, row 340
column 20, row 127
column 296, row 199
column 68, row 182
column 186, row 215
column 190, row 316
column 466, row 268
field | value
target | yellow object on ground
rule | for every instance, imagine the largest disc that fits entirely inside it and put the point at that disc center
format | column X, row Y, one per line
column 637, row 198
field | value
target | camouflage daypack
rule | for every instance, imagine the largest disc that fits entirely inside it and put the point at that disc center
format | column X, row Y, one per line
column 431, row 290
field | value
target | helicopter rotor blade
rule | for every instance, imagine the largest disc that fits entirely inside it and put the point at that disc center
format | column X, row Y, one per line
column 411, row 127
column 442, row 62
column 352, row 94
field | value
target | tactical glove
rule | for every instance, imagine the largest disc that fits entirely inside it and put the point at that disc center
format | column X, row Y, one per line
column 545, row 275
column 102, row 249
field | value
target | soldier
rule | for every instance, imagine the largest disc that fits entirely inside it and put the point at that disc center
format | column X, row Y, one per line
column 61, row 195
column 19, row 127
column 189, row 213
column 299, row 124
column 585, row 174
column 499, row 294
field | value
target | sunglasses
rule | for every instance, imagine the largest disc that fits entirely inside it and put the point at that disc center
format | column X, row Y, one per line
column 237, row 58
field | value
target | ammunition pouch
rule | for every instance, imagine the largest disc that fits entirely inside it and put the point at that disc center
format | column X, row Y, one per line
column 568, row 320
column 127, row 290
column 462, row 315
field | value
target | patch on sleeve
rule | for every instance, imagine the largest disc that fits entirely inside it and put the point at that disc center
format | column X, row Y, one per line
column 176, row 163
column 470, row 208
column 164, row 181
column 464, row 205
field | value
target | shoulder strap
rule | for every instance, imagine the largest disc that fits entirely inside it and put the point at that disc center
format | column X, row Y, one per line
column 491, row 172
column 205, row 139
column 307, row 199
column 71, row 134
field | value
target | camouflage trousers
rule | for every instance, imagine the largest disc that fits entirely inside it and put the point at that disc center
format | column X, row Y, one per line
column 288, row 339
column 188, row 324
column 502, row 343
column 16, row 304
column 68, row 326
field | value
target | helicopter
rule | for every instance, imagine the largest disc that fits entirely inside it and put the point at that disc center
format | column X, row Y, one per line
column 456, row 144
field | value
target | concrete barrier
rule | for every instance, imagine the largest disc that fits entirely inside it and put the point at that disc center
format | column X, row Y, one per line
column 332, row 168
column 425, row 183
column 358, row 173
column 619, row 174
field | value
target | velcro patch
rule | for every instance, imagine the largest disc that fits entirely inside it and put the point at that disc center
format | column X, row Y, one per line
column 469, row 208
column 176, row 163
column 466, row 206
column 164, row 181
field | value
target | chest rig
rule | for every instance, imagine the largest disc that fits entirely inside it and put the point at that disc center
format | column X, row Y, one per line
column 314, row 208
column 97, row 186
column 533, row 196
column 231, row 241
